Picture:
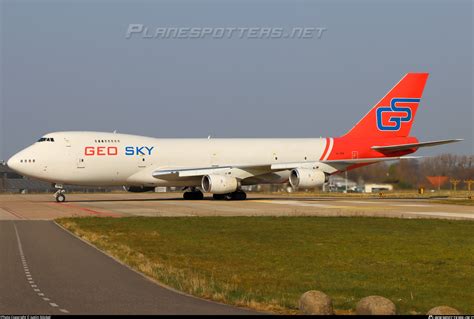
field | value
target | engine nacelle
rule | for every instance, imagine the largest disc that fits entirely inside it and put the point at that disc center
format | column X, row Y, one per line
column 307, row 177
column 219, row 184
column 139, row 189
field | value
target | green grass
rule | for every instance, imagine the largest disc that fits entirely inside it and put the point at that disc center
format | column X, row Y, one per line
column 267, row 262
column 398, row 194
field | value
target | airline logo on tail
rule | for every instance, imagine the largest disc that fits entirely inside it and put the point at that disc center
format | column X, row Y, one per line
column 394, row 114
column 390, row 118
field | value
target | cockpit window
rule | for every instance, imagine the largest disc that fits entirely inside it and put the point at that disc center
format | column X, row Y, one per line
column 46, row 139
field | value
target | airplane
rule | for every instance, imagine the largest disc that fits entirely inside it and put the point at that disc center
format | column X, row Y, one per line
column 222, row 166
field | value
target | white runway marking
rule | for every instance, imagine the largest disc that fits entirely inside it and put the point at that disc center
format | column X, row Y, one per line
column 443, row 214
column 411, row 205
column 358, row 202
column 296, row 203
column 28, row 275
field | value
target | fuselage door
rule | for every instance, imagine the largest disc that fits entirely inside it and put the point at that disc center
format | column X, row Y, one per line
column 67, row 142
column 81, row 162
column 142, row 161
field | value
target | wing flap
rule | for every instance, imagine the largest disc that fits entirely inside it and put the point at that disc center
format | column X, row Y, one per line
column 240, row 171
column 189, row 172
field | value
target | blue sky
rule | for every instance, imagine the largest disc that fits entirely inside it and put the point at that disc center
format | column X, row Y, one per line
column 67, row 65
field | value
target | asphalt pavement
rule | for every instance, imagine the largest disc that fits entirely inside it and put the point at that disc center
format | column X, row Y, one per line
column 46, row 270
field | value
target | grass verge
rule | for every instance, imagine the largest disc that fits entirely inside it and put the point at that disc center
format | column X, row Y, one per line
column 266, row 263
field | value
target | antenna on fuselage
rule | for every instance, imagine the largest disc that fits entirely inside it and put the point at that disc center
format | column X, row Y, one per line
column 115, row 132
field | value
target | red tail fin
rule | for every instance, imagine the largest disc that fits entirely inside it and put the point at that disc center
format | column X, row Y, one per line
column 394, row 114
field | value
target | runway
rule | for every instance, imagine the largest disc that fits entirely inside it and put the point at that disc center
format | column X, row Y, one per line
column 46, row 270
column 43, row 207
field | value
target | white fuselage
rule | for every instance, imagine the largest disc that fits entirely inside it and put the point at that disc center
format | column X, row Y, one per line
column 97, row 158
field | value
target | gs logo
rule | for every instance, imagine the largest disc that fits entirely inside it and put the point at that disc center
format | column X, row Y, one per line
column 390, row 118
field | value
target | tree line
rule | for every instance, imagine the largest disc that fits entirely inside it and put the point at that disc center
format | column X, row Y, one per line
column 412, row 173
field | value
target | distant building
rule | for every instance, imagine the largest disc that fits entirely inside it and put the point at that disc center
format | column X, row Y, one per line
column 338, row 183
column 373, row 188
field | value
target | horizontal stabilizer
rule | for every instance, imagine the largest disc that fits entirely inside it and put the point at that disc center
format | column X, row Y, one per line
column 404, row 147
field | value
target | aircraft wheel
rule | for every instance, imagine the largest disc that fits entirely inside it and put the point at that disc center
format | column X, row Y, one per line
column 60, row 198
column 193, row 195
column 219, row 196
column 238, row 195
column 198, row 195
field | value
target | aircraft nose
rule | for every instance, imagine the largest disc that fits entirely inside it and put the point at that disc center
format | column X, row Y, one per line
column 13, row 162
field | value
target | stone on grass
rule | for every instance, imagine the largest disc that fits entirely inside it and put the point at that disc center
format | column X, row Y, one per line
column 375, row 305
column 443, row 310
column 315, row 302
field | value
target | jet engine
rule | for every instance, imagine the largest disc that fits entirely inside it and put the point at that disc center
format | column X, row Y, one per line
column 307, row 177
column 219, row 184
column 139, row 189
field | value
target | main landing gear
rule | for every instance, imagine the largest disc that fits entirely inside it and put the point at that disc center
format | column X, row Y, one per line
column 59, row 195
column 193, row 194
column 237, row 195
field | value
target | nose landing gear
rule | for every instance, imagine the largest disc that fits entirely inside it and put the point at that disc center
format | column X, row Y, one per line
column 59, row 195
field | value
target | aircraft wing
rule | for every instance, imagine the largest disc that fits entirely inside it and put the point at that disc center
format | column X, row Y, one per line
column 240, row 171
column 245, row 171
column 404, row 147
